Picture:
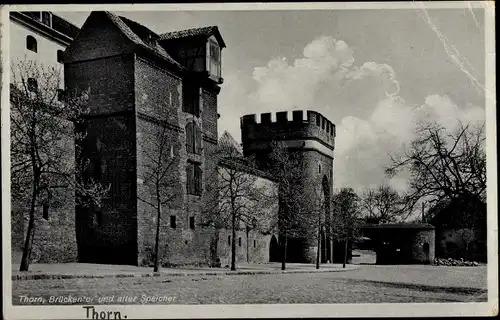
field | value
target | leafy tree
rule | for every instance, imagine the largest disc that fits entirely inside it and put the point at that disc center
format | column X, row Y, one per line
column 42, row 124
column 346, row 217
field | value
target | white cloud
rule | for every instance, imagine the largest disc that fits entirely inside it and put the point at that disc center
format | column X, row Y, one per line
column 372, row 120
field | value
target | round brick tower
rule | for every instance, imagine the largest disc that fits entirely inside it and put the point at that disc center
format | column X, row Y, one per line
column 311, row 138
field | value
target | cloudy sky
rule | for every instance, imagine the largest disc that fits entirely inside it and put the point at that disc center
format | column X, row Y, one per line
column 374, row 73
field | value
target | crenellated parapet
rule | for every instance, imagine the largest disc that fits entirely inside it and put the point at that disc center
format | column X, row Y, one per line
column 298, row 124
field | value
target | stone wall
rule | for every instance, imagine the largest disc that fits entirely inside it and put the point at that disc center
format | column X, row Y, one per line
column 55, row 238
column 423, row 246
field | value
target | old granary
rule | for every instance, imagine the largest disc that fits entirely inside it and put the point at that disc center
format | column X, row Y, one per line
column 139, row 79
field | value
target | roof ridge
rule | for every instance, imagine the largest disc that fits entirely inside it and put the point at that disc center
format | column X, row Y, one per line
column 189, row 29
column 132, row 36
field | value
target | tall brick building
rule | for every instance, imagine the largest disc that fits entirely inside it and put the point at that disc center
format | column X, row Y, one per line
column 141, row 82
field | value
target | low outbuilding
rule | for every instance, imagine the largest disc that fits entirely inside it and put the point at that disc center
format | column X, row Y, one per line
column 402, row 243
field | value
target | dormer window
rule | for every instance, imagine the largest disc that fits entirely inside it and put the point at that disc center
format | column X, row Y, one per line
column 150, row 40
column 46, row 18
column 214, row 59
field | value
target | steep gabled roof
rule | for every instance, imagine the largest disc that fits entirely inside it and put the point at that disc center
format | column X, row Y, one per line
column 227, row 141
column 204, row 32
column 124, row 25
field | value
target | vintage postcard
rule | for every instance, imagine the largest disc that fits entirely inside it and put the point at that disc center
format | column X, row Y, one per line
column 249, row 160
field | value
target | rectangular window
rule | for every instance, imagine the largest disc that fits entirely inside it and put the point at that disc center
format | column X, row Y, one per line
column 197, row 140
column 239, row 242
column 47, row 18
column 191, row 223
column 197, row 180
column 254, row 243
column 60, row 54
column 190, row 137
column 193, row 138
column 228, row 240
column 194, row 179
column 191, row 99
column 214, row 59
column 98, row 216
column 173, row 223
column 45, row 212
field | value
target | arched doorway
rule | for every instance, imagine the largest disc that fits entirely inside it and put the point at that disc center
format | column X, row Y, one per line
column 274, row 250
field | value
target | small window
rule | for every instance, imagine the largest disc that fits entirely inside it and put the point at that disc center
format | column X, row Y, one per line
column 228, row 240
column 60, row 94
column 239, row 241
column 31, row 44
column 173, row 224
column 254, row 243
column 194, row 179
column 191, row 223
column 97, row 169
column 214, row 59
column 319, row 167
column 191, row 99
column 45, row 212
column 60, row 54
column 98, row 217
column 47, row 18
column 318, row 120
column 32, row 85
column 193, row 138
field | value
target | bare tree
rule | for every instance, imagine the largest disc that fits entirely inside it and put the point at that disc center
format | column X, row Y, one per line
column 241, row 200
column 446, row 166
column 156, row 171
column 382, row 205
column 346, row 217
column 292, row 214
column 42, row 124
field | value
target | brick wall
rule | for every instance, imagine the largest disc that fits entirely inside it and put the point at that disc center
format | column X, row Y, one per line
column 109, row 235
column 111, row 82
column 257, row 254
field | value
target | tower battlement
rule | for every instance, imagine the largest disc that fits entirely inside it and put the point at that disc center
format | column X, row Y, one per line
column 280, row 126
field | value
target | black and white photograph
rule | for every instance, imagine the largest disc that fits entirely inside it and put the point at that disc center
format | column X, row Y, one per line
column 249, row 160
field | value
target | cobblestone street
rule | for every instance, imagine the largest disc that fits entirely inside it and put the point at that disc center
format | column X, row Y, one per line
column 369, row 284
